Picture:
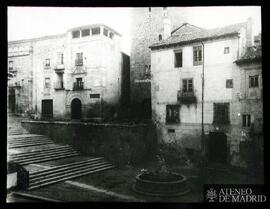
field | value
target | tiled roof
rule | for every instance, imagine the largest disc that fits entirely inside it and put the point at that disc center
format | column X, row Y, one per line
column 188, row 33
column 252, row 54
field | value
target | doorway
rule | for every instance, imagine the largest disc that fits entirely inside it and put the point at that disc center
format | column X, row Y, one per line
column 216, row 149
column 11, row 100
column 47, row 109
column 76, row 109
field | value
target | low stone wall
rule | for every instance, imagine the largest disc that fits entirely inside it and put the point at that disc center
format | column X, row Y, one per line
column 119, row 143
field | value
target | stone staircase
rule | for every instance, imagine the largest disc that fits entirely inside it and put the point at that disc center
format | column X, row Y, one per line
column 18, row 141
column 36, row 179
column 43, row 155
column 27, row 154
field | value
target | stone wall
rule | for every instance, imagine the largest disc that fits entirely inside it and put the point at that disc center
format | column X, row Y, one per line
column 121, row 144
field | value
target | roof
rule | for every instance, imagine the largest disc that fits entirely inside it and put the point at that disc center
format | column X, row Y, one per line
column 37, row 39
column 188, row 33
column 60, row 35
column 252, row 54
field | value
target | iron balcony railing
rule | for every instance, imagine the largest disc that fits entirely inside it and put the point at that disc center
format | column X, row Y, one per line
column 78, row 86
column 188, row 97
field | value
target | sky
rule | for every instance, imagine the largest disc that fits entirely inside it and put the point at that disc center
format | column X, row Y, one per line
column 32, row 22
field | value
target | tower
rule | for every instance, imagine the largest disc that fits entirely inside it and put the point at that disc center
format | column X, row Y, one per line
column 148, row 25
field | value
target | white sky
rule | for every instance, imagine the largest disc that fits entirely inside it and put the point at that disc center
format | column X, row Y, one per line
column 31, row 22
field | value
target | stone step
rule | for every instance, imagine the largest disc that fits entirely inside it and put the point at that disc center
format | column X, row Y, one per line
column 49, row 158
column 41, row 178
column 44, row 154
column 28, row 145
column 68, row 176
column 23, row 154
column 65, row 167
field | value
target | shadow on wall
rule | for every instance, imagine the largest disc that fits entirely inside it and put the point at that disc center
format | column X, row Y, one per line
column 120, row 144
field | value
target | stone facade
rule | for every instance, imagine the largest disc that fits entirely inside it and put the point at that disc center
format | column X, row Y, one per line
column 224, row 83
column 78, row 74
column 147, row 26
column 20, row 58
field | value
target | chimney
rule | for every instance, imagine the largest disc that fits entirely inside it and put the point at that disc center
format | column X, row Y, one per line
column 167, row 27
column 249, row 32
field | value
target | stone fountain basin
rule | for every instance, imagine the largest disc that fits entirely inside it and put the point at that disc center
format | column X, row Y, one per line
column 153, row 185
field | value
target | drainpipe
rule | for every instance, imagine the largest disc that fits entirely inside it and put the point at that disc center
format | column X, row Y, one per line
column 202, row 94
column 202, row 134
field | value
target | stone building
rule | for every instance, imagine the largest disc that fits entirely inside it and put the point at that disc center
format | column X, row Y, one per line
column 20, row 71
column 149, row 25
column 79, row 74
column 177, row 66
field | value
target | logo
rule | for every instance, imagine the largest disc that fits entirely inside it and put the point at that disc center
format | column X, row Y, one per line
column 234, row 193
column 211, row 195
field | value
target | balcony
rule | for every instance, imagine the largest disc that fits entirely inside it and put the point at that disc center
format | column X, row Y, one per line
column 59, row 85
column 186, row 97
column 12, row 69
column 59, row 68
column 78, row 86
column 79, row 62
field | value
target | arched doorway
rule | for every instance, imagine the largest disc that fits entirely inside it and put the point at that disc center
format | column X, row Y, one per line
column 76, row 109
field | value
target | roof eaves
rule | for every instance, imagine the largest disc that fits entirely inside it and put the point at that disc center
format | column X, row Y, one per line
column 193, row 40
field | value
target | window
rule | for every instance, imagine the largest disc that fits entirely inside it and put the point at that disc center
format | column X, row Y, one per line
column 159, row 37
column 47, row 83
column 149, row 9
column 221, row 113
column 10, row 65
column 165, row 12
column 197, row 55
column 178, row 58
column 79, row 59
column 95, row 31
column 226, row 50
column 94, row 96
column 147, row 69
column 105, row 32
column 78, row 85
column 229, row 83
column 60, row 58
column 172, row 114
column 47, row 62
column 76, row 34
column 246, row 120
column 187, row 85
column 253, row 81
column 78, row 80
column 85, row 32
column 111, row 35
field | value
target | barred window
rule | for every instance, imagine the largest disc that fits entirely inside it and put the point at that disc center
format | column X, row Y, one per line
column 172, row 114
column 246, row 120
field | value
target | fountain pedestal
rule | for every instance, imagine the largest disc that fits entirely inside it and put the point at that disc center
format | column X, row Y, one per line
column 149, row 183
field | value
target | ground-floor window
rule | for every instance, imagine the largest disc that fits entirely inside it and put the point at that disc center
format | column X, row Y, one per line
column 221, row 113
column 172, row 114
column 246, row 120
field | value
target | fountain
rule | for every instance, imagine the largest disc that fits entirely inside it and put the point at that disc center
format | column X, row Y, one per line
column 161, row 182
